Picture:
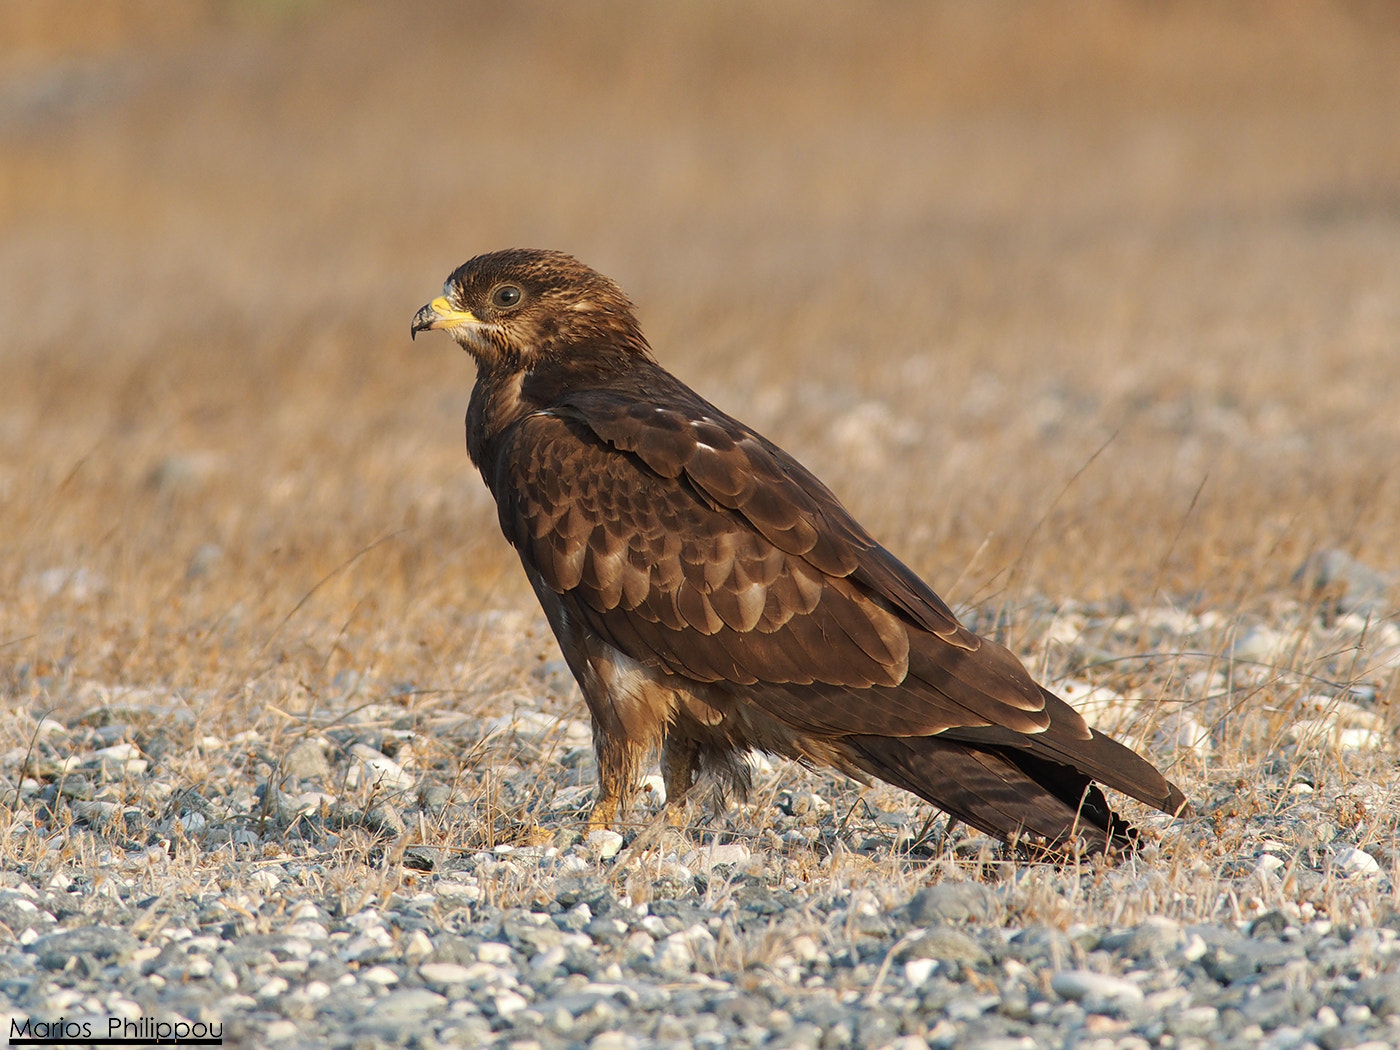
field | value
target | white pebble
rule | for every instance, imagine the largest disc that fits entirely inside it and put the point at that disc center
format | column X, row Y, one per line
column 493, row 952
column 654, row 789
column 276, row 1031
column 1085, row 984
column 378, row 770
column 1358, row 862
column 445, row 973
column 1261, row 643
column 549, row 959
column 128, row 756
column 603, row 843
column 918, row 971
column 465, row 890
column 419, row 946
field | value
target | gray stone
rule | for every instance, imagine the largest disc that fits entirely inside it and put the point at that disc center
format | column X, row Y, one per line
column 947, row 945
column 56, row 950
column 950, row 902
column 306, row 760
column 1097, row 992
column 1043, row 943
column 1194, row 1021
column 1154, row 939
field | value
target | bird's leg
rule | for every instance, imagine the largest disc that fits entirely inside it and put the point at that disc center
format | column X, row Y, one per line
column 604, row 812
column 680, row 760
column 617, row 779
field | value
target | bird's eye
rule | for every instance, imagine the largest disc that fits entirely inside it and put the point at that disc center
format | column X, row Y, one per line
column 507, row 297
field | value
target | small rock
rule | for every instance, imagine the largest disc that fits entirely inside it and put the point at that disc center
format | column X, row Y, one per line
column 1101, row 707
column 419, row 947
column 603, row 843
column 1269, row 865
column 653, row 789
column 1099, row 993
column 507, row 1003
column 204, row 558
column 383, row 819
column 1196, row 1021
column 445, row 974
column 1261, row 644
column 1181, row 732
column 56, row 950
column 910, row 1042
column 1154, row 938
column 307, row 761
column 807, row 804
column 182, row 471
column 918, row 971
column 377, row 770
column 1355, row 862
column 950, row 902
column 493, row 952
column 411, row 1004
column 947, row 945
column 970, row 1007
column 77, row 584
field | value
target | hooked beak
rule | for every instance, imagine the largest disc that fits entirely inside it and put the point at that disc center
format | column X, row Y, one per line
column 441, row 314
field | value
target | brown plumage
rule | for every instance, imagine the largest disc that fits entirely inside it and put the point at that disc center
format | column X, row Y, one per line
column 712, row 596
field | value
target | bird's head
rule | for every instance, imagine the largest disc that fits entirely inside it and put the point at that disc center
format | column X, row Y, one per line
column 519, row 309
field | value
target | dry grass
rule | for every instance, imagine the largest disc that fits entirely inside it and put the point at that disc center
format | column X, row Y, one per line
column 1093, row 300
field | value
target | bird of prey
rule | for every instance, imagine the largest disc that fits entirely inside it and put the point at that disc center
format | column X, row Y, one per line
column 712, row 597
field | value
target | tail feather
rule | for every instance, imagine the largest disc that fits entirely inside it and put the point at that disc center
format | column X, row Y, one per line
column 1068, row 741
column 1007, row 792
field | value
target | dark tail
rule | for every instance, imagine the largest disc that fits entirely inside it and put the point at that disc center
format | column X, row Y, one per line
column 1014, row 794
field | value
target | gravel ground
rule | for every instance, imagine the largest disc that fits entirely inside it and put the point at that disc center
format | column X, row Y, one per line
column 400, row 875
column 721, row 958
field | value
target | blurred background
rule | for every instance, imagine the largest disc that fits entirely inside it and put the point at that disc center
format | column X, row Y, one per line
column 1090, row 299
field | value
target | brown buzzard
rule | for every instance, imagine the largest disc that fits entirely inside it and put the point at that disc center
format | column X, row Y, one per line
column 712, row 596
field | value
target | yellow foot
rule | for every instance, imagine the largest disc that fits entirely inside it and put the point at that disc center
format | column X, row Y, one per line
column 603, row 815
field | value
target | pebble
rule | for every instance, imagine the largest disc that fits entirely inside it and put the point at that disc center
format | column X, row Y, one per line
column 377, row 770
column 306, row 760
column 802, row 921
column 947, row 944
column 1096, row 990
column 950, row 902
column 1357, row 862
column 604, row 844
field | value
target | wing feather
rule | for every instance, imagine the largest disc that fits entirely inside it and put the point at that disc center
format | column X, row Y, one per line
column 693, row 545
